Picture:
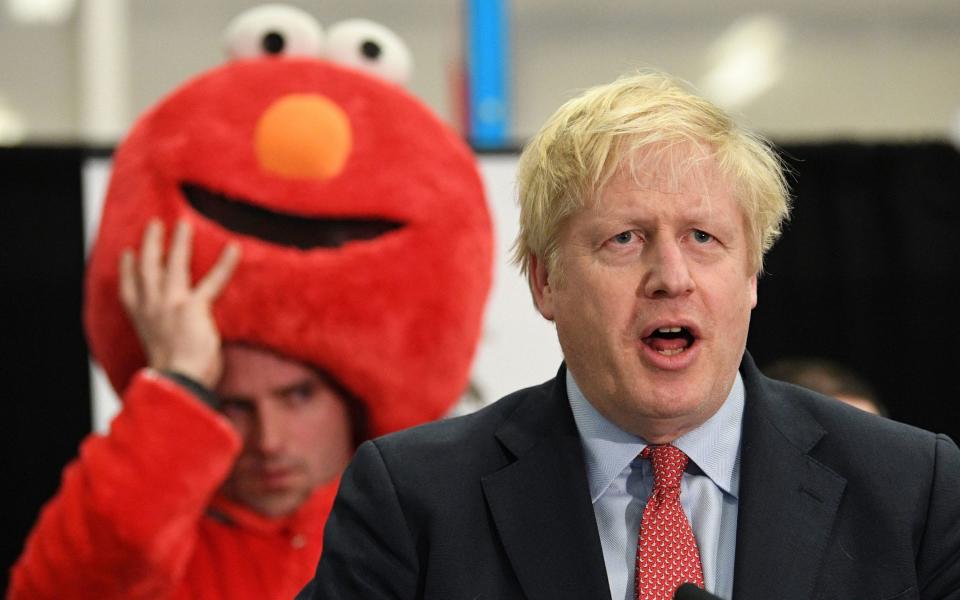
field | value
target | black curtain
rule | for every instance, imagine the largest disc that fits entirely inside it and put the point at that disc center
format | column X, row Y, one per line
column 864, row 273
column 44, row 357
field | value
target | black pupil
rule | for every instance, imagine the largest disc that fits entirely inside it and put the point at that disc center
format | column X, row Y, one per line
column 371, row 50
column 273, row 43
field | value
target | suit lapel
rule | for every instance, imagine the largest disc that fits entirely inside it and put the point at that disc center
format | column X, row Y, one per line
column 788, row 500
column 540, row 502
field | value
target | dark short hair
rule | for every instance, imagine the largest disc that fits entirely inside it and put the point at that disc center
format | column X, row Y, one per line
column 356, row 408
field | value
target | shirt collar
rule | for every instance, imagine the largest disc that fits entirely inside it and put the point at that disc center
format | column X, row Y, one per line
column 714, row 447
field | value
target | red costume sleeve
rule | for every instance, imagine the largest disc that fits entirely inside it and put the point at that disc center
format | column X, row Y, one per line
column 124, row 522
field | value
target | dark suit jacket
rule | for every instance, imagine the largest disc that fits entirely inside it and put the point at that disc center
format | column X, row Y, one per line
column 834, row 503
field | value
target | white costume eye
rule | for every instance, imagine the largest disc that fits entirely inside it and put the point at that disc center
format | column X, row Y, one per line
column 273, row 29
column 370, row 47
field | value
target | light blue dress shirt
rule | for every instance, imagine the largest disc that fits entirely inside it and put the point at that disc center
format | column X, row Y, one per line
column 620, row 484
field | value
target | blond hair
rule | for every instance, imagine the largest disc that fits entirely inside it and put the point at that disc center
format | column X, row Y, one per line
column 578, row 149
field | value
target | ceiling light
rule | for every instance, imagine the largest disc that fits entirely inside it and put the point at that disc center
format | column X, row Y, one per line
column 40, row 12
column 746, row 61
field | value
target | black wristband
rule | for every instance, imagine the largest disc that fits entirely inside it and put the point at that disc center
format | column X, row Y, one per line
column 196, row 388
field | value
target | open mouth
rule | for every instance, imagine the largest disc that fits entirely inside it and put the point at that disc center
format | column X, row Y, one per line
column 239, row 216
column 670, row 340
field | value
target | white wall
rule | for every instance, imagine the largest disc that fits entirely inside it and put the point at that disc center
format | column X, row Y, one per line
column 865, row 68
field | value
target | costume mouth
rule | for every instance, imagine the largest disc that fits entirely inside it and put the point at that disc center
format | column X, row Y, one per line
column 670, row 340
column 240, row 216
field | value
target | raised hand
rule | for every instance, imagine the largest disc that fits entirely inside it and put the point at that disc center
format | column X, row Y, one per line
column 174, row 320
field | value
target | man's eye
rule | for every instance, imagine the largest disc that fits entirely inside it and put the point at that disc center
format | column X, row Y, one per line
column 233, row 408
column 702, row 237
column 623, row 238
column 301, row 394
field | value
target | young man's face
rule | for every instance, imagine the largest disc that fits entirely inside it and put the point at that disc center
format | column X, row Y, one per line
column 296, row 429
column 654, row 305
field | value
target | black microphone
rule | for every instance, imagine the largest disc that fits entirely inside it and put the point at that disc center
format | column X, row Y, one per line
column 689, row 591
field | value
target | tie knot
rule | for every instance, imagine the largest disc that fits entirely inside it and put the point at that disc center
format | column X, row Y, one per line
column 668, row 465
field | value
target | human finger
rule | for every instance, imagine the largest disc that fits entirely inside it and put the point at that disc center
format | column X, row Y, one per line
column 151, row 250
column 128, row 281
column 216, row 278
column 177, row 277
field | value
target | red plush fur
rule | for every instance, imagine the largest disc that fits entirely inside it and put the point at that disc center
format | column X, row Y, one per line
column 395, row 319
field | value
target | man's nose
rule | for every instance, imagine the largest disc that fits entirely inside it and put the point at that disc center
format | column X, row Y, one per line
column 668, row 270
column 271, row 430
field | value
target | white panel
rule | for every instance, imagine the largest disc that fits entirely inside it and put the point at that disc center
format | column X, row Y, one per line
column 96, row 175
column 519, row 348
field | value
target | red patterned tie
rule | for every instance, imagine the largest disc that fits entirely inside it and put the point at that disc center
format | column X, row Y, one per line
column 667, row 554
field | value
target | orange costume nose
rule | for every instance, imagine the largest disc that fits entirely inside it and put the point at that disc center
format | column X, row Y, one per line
column 303, row 136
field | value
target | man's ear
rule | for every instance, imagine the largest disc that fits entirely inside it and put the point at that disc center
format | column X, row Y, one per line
column 540, row 287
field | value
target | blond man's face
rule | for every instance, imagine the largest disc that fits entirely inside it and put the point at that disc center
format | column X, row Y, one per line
column 654, row 306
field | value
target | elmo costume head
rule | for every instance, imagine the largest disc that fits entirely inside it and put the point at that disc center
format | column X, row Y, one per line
column 366, row 241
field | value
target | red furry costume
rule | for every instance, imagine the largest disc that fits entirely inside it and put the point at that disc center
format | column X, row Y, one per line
column 366, row 250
